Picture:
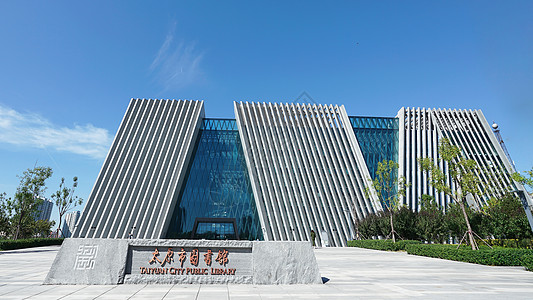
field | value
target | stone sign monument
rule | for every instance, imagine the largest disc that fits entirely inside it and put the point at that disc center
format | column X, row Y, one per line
column 117, row 261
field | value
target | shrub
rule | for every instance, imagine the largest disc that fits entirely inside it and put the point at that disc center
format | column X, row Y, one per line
column 456, row 223
column 483, row 256
column 28, row 243
column 383, row 225
column 379, row 224
column 430, row 224
column 385, row 245
column 405, row 223
column 368, row 227
column 512, row 243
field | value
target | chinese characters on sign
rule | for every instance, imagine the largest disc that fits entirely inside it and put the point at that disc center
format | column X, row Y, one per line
column 170, row 256
column 222, row 257
column 207, row 257
column 183, row 256
column 194, row 259
column 154, row 257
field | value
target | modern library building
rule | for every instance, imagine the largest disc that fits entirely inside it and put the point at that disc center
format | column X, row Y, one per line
column 275, row 172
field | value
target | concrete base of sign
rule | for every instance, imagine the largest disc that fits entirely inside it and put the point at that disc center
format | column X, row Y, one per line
column 89, row 261
column 285, row 263
column 116, row 261
column 190, row 279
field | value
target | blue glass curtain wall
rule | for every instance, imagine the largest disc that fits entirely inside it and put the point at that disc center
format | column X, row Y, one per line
column 378, row 139
column 215, row 231
column 217, row 184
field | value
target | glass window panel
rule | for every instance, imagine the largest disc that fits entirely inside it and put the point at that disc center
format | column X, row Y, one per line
column 217, row 186
column 378, row 140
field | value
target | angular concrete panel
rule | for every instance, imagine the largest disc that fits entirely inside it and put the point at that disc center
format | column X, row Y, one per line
column 306, row 169
column 89, row 261
column 139, row 182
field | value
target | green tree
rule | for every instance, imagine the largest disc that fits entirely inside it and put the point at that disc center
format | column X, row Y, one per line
column 405, row 223
column 462, row 173
column 5, row 216
column 507, row 218
column 388, row 188
column 430, row 223
column 65, row 200
column 383, row 224
column 368, row 227
column 455, row 222
column 526, row 179
column 42, row 228
column 26, row 200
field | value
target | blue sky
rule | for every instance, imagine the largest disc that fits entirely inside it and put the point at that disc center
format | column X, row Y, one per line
column 68, row 70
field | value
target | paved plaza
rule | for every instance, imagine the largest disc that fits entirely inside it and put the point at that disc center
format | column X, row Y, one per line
column 353, row 273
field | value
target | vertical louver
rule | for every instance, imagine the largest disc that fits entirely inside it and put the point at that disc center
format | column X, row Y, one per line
column 306, row 169
column 144, row 170
column 420, row 132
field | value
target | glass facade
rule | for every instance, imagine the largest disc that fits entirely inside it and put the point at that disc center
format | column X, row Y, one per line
column 217, row 184
column 215, row 231
column 378, row 140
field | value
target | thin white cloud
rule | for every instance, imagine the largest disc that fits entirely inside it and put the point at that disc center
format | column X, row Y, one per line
column 32, row 130
column 177, row 64
column 162, row 53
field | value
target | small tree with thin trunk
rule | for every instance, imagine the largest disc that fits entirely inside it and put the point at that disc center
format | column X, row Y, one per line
column 462, row 173
column 65, row 200
column 26, row 200
column 5, row 216
column 389, row 187
column 526, row 179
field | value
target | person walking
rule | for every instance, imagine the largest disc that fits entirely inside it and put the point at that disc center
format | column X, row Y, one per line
column 132, row 232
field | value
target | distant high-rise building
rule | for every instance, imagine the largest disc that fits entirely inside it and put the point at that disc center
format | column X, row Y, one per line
column 71, row 219
column 44, row 210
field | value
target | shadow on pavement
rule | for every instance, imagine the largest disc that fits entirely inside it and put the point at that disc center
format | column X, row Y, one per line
column 25, row 251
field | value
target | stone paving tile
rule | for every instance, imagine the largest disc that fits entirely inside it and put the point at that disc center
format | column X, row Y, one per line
column 58, row 291
column 153, row 292
column 122, row 291
column 89, row 292
column 26, row 292
column 274, row 296
column 77, row 297
column 243, row 291
column 210, row 292
column 183, row 292
column 245, row 297
column 8, row 288
column 181, row 296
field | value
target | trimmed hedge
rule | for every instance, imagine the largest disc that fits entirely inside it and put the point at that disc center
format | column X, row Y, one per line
column 484, row 256
column 385, row 245
column 499, row 256
column 527, row 261
column 28, row 243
